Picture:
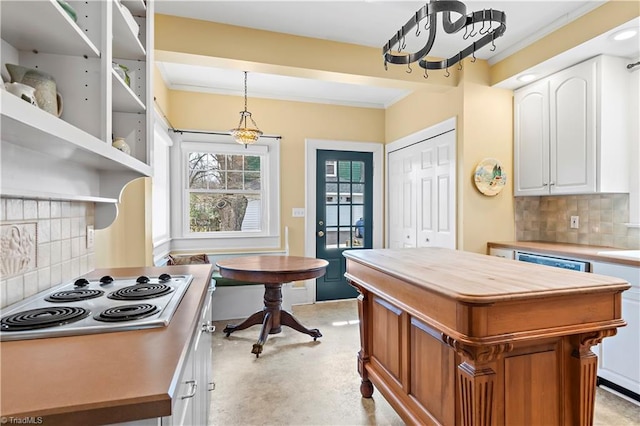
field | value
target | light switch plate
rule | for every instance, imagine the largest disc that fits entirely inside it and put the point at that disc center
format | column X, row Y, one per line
column 90, row 236
column 575, row 222
column 297, row 212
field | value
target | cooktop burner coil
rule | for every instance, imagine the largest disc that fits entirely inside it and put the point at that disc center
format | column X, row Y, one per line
column 34, row 319
column 126, row 313
column 73, row 295
column 141, row 292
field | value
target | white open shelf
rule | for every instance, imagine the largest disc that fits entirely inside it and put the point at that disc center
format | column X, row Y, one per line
column 137, row 7
column 51, row 30
column 28, row 126
column 126, row 44
column 124, row 99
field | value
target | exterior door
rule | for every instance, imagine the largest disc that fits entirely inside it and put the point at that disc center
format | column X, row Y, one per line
column 344, row 215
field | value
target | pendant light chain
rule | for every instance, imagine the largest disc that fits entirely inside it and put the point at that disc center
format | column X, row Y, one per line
column 245, row 90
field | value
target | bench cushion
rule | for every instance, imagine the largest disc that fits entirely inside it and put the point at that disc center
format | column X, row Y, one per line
column 227, row 282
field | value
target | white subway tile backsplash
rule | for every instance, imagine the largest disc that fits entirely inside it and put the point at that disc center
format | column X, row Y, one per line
column 75, row 267
column 3, row 293
column 30, row 283
column 30, row 209
column 44, row 231
column 56, row 209
column 56, row 232
column 65, row 250
column 65, row 208
column 44, row 255
column 44, row 209
column 15, row 289
column 56, row 254
column 65, row 228
column 15, row 209
column 56, row 274
column 44, row 278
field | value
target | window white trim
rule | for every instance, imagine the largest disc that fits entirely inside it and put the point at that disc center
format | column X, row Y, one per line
column 268, row 238
column 161, row 202
column 311, row 150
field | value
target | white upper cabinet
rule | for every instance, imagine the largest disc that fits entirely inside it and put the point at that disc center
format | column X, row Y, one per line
column 570, row 131
column 70, row 156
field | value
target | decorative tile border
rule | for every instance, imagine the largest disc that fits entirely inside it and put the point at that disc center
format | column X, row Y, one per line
column 18, row 248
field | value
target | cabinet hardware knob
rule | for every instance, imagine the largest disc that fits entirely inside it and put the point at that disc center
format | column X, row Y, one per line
column 212, row 386
column 545, row 184
column 208, row 327
column 194, row 387
column 320, row 234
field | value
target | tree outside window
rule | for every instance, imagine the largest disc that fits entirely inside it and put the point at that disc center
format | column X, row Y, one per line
column 225, row 192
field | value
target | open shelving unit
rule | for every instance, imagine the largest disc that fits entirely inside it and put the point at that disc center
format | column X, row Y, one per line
column 71, row 157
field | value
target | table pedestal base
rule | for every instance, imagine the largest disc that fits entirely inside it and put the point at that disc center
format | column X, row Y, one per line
column 272, row 318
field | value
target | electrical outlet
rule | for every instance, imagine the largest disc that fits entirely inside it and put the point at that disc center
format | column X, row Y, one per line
column 297, row 212
column 575, row 222
column 90, row 236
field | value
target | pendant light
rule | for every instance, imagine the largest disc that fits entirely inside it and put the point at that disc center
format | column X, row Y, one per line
column 243, row 134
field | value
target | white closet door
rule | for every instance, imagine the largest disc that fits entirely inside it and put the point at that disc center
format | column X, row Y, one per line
column 436, row 209
column 422, row 194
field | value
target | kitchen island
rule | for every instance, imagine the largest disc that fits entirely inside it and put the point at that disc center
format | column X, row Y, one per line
column 457, row 338
column 108, row 377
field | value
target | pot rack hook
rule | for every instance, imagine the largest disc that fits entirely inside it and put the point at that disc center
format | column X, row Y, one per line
column 460, row 65
column 493, row 44
column 448, row 74
column 473, row 28
column 473, row 53
column 426, row 76
column 409, row 70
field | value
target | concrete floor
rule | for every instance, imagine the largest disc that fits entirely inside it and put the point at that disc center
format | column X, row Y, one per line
column 297, row 381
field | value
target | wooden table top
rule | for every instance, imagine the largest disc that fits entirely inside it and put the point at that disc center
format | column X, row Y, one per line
column 478, row 278
column 272, row 269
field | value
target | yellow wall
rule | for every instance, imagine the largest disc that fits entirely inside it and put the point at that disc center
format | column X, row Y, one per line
column 295, row 122
column 128, row 241
column 484, row 129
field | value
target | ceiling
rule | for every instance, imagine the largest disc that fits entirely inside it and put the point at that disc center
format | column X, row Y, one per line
column 370, row 23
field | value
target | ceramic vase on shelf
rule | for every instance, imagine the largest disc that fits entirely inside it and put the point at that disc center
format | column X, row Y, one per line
column 46, row 93
column 122, row 145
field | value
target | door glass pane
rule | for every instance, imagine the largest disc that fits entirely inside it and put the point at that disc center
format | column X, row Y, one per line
column 345, row 238
column 357, row 173
column 344, row 171
column 331, row 216
column 331, row 192
column 345, row 216
column 331, row 238
column 357, row 220
column 345, row 193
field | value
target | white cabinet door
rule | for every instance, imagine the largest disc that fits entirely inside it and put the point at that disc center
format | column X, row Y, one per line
column 572, row 152
column 531, row 138
column 570, row 131
column 619, row 357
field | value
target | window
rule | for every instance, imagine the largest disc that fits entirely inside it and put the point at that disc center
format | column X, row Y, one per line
column 225, row 194
column 230, row 194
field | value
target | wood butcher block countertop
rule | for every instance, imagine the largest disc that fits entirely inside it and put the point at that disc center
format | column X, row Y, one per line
column 580, row 251
column 477, row 278
column 107, row 377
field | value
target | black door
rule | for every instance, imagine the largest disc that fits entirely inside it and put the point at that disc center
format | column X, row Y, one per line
column 343, row 218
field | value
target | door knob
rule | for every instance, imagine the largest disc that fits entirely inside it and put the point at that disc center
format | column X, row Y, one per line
column 320, row 233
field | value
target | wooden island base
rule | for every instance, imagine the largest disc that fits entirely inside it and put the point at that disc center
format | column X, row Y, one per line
column 457, row 338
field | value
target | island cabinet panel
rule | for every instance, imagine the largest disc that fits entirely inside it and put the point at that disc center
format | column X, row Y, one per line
column 455, row 338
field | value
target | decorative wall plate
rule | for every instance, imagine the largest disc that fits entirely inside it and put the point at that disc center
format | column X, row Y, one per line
column 490, row 177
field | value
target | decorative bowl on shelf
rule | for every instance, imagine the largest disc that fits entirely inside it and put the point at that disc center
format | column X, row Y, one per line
column 69, row 9
column 123, row 72
column 122, row 145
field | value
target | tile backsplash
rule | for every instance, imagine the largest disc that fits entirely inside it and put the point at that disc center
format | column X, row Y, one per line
column 43, row 243
column 602, row 220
